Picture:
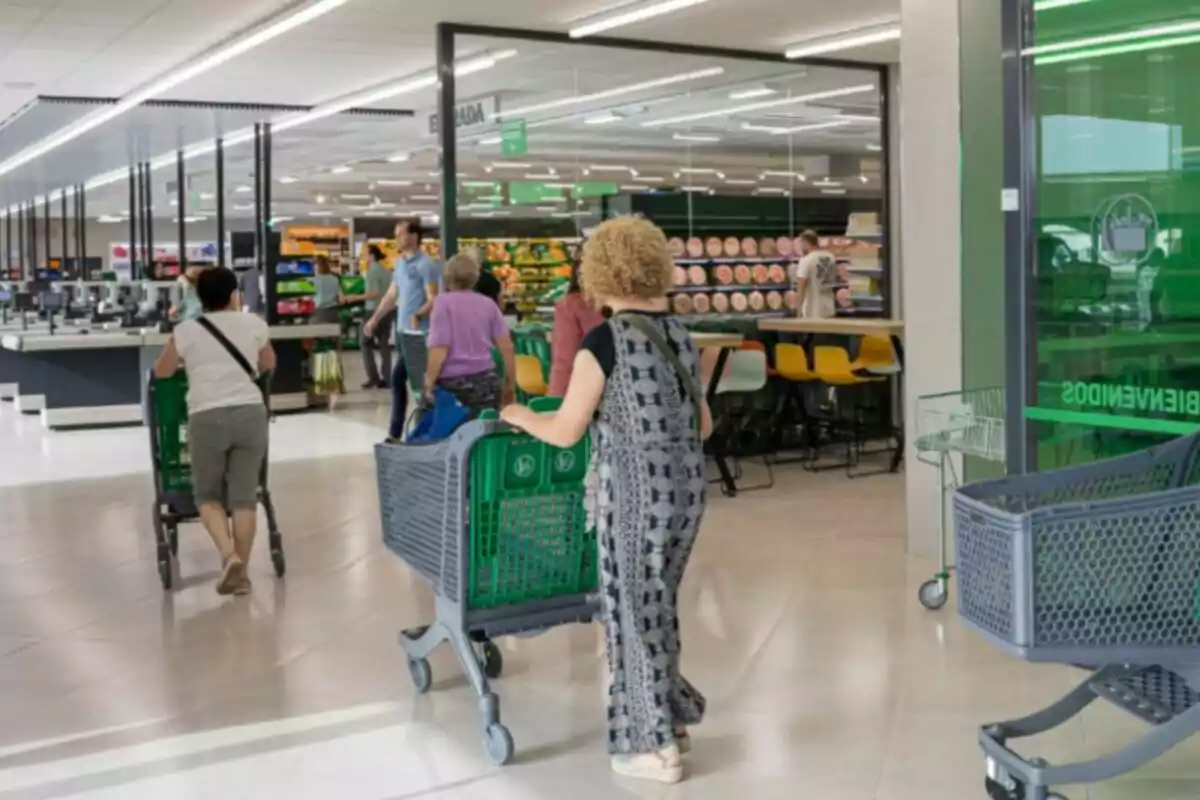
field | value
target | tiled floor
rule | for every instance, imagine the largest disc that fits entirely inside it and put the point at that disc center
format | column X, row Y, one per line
column 825, row 678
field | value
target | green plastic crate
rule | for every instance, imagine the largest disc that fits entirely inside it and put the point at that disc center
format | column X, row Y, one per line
column 528, row 532
column 171, row 419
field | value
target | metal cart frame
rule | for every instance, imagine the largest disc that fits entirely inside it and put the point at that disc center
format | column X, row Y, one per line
column 424, row 501
column 171, row 508
column 969, row 423
column 1093, row 565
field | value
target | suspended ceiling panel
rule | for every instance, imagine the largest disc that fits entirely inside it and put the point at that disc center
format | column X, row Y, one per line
column 104, row 48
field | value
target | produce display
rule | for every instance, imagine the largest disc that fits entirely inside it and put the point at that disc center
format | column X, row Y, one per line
column 533, row 271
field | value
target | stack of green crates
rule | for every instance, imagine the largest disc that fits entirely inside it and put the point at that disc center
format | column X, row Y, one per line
column 171, row 419
column 529, row 538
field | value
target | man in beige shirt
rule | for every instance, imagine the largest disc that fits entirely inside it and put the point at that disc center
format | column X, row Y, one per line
column 816, row 279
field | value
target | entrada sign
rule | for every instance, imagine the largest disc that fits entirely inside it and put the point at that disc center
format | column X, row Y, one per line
column 471, row 114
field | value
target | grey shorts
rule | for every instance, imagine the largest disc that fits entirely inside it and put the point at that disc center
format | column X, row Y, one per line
column 227, row 447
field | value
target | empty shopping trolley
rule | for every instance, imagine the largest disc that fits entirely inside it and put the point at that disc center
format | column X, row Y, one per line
column 1095, row 565
column 969, row 423
column 494, row 520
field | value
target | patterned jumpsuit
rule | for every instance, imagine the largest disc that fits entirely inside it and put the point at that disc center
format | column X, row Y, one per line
column 649, row 492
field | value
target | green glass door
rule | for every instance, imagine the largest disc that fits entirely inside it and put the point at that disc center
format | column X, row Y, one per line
column 1115, row 135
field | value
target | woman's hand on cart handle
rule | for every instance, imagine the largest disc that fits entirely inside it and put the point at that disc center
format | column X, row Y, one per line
column 516, row 415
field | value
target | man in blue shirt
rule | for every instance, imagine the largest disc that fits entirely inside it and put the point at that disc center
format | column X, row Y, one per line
column 418, row 278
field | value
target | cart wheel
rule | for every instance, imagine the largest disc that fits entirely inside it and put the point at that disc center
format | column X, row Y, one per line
column 279, row 563
column 998, row 791
column 422, row 675
column 499, row 743
column 493, row 660
column 164, row 573
column 173, row 539
column 932, row 594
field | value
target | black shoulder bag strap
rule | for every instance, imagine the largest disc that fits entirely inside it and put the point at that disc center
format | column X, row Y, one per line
column 228, row 345
column 690, row 385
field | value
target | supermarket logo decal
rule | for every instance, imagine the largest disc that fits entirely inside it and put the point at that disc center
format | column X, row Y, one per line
column 524, row 466
column 564, row 461
column 1127, row 397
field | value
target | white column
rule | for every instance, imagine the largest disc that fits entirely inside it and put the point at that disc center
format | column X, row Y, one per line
column 930, row 243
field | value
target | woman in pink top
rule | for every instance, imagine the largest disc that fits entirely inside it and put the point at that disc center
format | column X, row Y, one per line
column 573, row 318
column 463, row 328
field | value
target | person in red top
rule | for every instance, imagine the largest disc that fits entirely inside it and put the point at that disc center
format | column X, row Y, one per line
column 574, row 317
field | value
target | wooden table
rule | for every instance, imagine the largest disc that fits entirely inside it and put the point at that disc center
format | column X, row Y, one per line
column 846, row 326
column 723, row 343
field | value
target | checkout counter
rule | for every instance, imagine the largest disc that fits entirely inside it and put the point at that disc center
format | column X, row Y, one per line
column 81, row 371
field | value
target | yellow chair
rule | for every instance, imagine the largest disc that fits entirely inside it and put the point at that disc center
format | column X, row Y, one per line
column 876, row 356
column 791, row 367
column 833, row 367
column 530, row 378
column 791, row 362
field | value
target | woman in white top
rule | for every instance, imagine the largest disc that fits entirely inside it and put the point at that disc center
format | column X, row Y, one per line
column 816, row 279
column 227, row 418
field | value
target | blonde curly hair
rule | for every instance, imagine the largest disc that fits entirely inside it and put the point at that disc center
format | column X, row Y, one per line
column 624, row 258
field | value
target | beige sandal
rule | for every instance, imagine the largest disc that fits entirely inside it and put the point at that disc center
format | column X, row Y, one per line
column 664, row 766
column 232, row 576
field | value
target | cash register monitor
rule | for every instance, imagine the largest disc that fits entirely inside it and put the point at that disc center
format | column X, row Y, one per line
column 23, row 301
column 5, row 297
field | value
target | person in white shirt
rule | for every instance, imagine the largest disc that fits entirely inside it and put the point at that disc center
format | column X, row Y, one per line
column 227, row 418
column 816, row 279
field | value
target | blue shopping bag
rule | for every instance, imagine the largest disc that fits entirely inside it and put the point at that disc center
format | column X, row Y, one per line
column 439, row 419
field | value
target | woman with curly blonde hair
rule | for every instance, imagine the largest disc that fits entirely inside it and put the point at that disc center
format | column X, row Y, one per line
column 637, row 378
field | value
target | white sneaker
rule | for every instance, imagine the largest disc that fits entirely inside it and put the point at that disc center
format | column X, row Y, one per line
column 664, row 766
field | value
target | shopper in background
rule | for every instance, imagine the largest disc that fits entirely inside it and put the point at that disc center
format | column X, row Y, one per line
column 416, row 283
column 377, row 280
column 189, row 303
column 250, row 284
column 328, row 298
column 816, row 279
column 464, row 327
column 574, row 317
column 227, row 418
column 638, row 376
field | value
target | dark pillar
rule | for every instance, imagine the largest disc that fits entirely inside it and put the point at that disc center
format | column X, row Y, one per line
column 447, row 139
column 83, row 227
column 136, row 270
column 181, row 207
column 259, row 261
column 221, row 202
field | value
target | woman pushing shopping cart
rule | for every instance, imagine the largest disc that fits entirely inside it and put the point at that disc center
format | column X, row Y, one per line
column 224, row 352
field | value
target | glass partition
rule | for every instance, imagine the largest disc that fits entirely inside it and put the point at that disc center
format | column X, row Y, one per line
column 1114, row 138
column 732, row 157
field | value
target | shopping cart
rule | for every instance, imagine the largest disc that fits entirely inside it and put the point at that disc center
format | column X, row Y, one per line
column 970, row 423
column 166, row 414
column 1096, row 565
column 494, row 521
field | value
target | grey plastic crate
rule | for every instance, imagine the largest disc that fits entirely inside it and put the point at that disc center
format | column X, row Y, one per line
column 1098, row 564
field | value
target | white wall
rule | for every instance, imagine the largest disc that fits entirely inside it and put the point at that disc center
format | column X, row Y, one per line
column 931, row 233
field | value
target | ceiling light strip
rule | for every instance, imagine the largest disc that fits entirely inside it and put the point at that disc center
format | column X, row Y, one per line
column 627, row 15
column 171, row 79
column 724, row 112
column 1190, row 26
column 888, row 32
column 607, row 93
column 1118, row 49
